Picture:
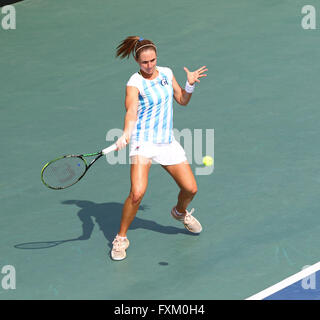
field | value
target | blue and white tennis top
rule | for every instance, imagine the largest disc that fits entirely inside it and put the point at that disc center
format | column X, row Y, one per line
column 155, row 112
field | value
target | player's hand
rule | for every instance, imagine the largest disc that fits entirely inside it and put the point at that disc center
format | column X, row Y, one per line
column 122, row 141
column 195, row 75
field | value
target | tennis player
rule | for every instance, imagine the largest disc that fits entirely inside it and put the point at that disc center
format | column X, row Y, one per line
column 148, row 126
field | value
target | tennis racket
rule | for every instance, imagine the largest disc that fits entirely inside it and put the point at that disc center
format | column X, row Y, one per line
column 67, row 170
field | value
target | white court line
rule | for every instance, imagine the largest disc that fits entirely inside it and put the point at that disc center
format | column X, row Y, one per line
column 286, row 282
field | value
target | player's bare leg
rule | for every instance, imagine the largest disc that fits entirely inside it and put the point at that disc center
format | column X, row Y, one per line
column 139, row 181
column 183, row 176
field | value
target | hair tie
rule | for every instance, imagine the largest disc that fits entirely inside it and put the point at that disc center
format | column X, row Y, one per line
column 140, row 39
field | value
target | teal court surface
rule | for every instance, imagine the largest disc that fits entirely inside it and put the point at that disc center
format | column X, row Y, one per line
column 62, row 91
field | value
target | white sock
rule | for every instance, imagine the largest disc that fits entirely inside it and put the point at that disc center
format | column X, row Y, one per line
column 122, row 238
column 178, row 213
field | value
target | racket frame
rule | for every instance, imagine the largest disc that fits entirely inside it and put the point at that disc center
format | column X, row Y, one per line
column 82, row 157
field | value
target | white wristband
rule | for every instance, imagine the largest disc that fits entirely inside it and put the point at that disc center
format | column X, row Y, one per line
column 189, row 88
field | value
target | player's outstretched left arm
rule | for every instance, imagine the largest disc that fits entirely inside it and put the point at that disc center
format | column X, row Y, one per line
column 183, row 96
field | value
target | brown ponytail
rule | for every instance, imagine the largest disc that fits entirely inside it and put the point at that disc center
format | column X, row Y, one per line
column 132, row 44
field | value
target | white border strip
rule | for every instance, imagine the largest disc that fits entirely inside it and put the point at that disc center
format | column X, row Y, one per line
column 286, row 282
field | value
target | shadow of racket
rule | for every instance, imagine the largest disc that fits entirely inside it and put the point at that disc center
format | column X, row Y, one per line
column 42, row 244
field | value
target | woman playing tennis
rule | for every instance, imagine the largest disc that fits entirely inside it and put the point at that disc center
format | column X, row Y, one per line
column 149, row 129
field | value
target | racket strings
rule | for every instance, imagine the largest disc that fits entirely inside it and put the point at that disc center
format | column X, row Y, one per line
column 64, row 172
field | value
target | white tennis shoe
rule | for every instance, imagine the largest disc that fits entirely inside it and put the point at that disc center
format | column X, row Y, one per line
column 119, row 248
column 189, row 221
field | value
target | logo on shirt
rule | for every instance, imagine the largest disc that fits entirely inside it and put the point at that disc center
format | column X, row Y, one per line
column 164, row 82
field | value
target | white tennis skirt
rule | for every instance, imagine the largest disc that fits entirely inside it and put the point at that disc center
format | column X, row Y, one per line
column 162, row 153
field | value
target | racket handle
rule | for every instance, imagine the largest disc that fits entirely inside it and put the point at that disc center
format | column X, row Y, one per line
column 113, row 147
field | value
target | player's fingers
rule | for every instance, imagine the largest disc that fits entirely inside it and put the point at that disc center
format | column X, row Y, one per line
column 202, row 68
column 121, row 146
column 118, row 146
column 121, row 143
column 202, row 71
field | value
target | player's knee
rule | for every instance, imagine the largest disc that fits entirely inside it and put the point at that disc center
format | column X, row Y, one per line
column 192, row 190
column 137, row 195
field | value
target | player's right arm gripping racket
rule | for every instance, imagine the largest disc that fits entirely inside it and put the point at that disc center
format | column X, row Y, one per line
column 67, row 170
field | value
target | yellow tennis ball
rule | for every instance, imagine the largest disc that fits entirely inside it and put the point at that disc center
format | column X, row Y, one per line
column 207, row 161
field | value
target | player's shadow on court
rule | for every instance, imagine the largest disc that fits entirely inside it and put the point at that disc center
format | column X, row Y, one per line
column 107, row 217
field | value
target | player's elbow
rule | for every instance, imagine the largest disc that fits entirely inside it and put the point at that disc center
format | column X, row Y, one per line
column 184, row 98
column 184, row 103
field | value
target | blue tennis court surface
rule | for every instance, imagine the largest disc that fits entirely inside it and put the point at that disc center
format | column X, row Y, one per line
column 304, row 285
